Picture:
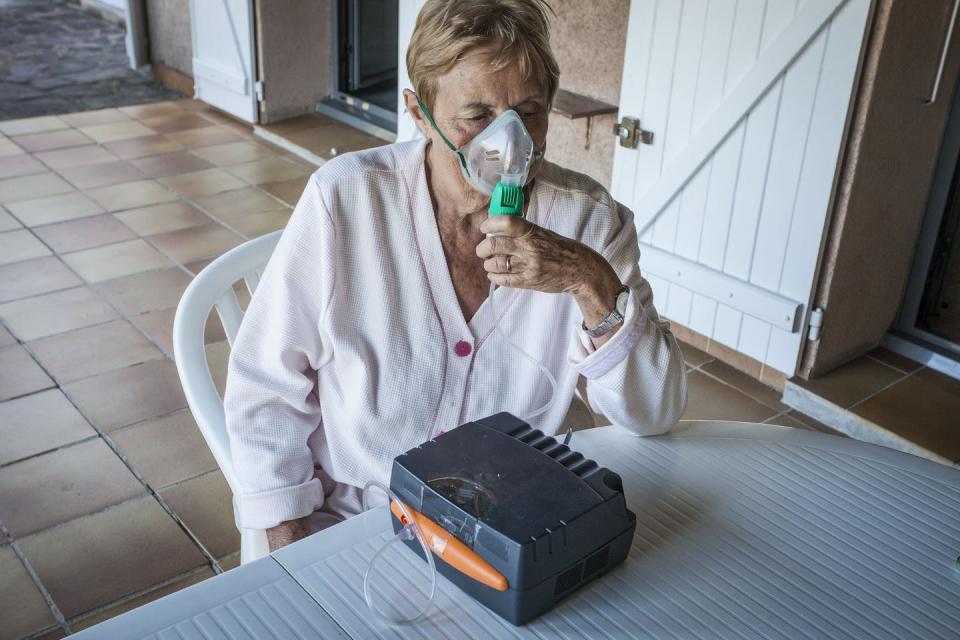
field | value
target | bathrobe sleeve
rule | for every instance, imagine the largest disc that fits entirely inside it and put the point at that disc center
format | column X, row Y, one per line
column 637, row 377
column 271, row 403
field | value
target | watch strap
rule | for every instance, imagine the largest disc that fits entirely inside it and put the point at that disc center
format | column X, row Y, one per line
column 613, row 319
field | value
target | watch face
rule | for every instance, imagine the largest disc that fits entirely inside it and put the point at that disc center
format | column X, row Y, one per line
column 622, row 301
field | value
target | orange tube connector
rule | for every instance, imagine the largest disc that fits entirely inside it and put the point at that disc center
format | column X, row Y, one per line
column 446, row 546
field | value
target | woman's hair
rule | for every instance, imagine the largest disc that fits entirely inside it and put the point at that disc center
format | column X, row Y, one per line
column 518, row 30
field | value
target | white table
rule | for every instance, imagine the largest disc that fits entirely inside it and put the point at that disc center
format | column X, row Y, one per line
column 743, row 531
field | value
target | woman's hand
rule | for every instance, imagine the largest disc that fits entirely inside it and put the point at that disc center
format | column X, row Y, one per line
column 530, row 257
column 287, row 533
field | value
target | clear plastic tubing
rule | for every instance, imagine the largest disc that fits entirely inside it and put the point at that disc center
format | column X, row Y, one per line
column 411, row 530
column 546, row 372
column 406, row 533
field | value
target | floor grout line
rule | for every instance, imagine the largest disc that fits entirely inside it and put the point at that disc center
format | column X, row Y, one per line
column 122, row 315
column 150, row 490
column 890, row 366
column 35, row 391
column 739, row 390
column 54, row 609
column 53, row 450
column 146, row 238
column 43, row 632
column 177, row 483
column 137, row 594
column 882, row 389
column 100, row 511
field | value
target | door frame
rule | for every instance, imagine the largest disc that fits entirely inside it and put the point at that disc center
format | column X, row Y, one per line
column 905, row 337
column 137, row 41
column 348, row 108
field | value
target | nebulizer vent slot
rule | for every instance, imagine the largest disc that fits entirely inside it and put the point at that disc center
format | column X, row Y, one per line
column 583, row 467
column 534, row 434
column 542, row 442
column 553, row 448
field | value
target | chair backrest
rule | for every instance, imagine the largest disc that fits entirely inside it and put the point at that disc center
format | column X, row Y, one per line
column 213, row 288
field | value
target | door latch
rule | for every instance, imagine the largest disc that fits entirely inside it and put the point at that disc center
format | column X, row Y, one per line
column 631, row 134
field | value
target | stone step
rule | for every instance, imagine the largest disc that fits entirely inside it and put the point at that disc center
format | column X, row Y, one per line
column 849, row 423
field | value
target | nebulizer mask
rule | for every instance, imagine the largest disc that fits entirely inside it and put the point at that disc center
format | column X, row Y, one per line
column 497, row 163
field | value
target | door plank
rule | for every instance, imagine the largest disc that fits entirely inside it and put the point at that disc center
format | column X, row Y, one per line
column 786, row 162
column 775, row 59
column 636, row 73
column 657, row 99
column 826, row 133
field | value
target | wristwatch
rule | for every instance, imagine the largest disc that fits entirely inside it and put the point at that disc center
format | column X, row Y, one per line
column 614, row 318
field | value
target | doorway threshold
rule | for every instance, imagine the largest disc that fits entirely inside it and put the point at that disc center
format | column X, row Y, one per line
column 316, row 138
column 367, row 118
column 888, row 400
column 925, row 352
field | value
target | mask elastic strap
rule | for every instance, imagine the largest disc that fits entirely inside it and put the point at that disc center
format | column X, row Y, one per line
column 426, row 112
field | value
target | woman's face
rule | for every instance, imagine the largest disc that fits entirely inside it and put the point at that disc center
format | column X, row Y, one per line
column 471, row 95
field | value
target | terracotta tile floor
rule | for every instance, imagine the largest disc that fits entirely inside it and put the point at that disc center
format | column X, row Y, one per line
column 100, row 214
column 101, row 459
column 319, row 136
column 898, row 395
column 716, row 391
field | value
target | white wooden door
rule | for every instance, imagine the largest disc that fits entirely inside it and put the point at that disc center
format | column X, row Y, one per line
column 747, row 101
column 408, row 10
column 223, row 60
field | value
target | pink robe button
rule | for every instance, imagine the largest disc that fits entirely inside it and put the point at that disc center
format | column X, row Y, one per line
column 462, row 348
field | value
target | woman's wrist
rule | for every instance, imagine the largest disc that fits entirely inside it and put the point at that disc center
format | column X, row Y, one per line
column 287, row 533
column 597, row 289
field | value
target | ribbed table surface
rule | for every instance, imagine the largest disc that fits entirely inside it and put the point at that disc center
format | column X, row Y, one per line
column 743, row 531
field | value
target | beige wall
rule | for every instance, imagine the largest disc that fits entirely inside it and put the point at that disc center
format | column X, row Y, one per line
column 294, row 41
column 294, row 60
column 884, row 180
column 588, row 39
column 168, row 23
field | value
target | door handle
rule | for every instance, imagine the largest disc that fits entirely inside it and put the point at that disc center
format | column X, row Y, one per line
column 631, row 134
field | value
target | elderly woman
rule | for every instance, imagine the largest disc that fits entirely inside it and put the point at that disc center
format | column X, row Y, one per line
column 373, row 328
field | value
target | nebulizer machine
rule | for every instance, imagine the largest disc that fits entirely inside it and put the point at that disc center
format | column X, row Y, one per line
column 467, row 532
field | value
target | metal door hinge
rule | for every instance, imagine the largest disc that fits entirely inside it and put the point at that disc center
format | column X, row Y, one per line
column 258, row 89
column 816, row 323
column 631, row 134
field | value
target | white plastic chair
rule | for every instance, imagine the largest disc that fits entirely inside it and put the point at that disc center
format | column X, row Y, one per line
column 213, row 288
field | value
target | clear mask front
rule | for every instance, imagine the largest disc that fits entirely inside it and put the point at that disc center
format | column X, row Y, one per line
column 502, row 152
